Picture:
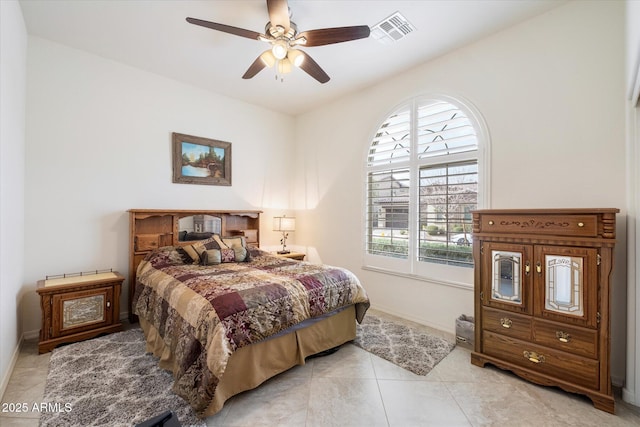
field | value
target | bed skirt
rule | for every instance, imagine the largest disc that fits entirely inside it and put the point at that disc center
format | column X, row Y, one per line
column 252, row 365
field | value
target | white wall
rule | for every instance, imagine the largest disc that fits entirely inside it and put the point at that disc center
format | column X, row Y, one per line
column 551, row 92
column 99, row 143
column 631, row 391
column 632, row 28
column 13, row 63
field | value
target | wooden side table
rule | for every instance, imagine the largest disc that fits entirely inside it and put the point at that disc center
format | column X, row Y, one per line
column 78, row 307
column 293, row 255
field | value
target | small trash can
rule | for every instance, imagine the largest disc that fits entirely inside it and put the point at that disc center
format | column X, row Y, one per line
column 465, row 331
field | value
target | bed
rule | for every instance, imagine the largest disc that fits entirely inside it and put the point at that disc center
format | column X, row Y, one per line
column 226, row 320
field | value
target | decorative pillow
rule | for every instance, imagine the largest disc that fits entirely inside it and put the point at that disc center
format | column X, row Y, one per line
column 196, row 250
column 234, row 242
column 242, row 254
column 193, row 254
column 228, row 255
column 211, row 257
column 231, row 249
column 239, row 245
column 217, row 256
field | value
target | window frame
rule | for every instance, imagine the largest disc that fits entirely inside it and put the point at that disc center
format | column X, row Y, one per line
column 411, row 267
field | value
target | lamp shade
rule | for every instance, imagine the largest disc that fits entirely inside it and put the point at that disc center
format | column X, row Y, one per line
column 283, row 223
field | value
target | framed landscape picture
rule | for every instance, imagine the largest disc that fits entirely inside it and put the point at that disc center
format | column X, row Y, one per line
column 198, row 160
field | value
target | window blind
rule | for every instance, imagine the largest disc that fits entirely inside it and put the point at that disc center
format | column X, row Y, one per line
column 392, row 143
column 447, row 195
column 388, row 198
column 443, row 129
column 431, row 145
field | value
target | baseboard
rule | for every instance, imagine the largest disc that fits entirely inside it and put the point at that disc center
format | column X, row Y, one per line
column 30, row 335
column 630, row 397
column 12, row 364
column 617, row 381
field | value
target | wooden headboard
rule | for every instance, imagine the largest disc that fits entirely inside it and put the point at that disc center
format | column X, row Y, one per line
column 150, row 229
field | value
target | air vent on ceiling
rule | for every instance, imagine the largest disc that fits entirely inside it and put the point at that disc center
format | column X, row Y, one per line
column 392, row 29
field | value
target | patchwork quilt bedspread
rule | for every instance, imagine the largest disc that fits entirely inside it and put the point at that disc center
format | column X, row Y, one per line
column 205, row 313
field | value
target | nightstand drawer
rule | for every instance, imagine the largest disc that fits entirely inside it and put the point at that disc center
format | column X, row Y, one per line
column 575, row 369
column 507, row 323
column 581, row 341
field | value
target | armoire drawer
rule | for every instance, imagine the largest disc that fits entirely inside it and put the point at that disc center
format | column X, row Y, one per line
column 558, row 225
column 559, row 364
column 576, row 340
column 507, row 323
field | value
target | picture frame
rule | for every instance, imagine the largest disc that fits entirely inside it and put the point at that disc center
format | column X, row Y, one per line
column 198, row 160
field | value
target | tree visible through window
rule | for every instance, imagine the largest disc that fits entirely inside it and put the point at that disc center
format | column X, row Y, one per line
column 422, row 184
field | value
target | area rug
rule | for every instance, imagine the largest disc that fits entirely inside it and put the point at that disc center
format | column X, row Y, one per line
column 406, row 344
column 109, row 381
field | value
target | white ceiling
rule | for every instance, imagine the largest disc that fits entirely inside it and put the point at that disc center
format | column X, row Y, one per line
column 153, row 35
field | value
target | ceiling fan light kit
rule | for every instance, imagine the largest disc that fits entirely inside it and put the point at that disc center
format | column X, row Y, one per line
column 283, row 36
column 268, row 58
column 284, row 66
column 280, row 49
column 296, row 57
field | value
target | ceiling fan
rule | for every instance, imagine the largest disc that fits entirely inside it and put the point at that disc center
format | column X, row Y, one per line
column 284, row 38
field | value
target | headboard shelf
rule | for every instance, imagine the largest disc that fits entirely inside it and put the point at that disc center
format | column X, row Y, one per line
column 150, row 229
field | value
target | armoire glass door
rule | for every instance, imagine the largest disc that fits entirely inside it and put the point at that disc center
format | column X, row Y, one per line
column 509, row 269
column 561, row 280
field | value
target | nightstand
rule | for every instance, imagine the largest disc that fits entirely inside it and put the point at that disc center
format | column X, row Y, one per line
column 78, row 307
column 293, row 255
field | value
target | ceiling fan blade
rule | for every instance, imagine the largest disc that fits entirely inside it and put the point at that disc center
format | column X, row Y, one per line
column 254, row 68
column 326, row 36
column 312, row 68
column 279, row 13
column 226, row 28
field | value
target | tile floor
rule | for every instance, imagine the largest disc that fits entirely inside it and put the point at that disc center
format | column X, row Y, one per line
column 354, row 388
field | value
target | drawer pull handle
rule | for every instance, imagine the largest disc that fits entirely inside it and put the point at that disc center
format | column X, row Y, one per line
column 532, row 356
column 581, row 224
column 563, row 336
column 490, row 222
column 506, row 322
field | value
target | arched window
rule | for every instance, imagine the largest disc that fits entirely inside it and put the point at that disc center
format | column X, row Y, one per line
column 425, row 173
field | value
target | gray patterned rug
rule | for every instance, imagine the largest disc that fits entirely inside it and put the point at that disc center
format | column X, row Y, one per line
column 109, row 381
column 406, row 344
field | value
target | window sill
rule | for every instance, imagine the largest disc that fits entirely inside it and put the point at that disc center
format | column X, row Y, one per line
column 459, row 285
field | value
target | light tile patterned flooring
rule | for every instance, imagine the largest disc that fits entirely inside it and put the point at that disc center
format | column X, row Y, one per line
column 355, row 388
